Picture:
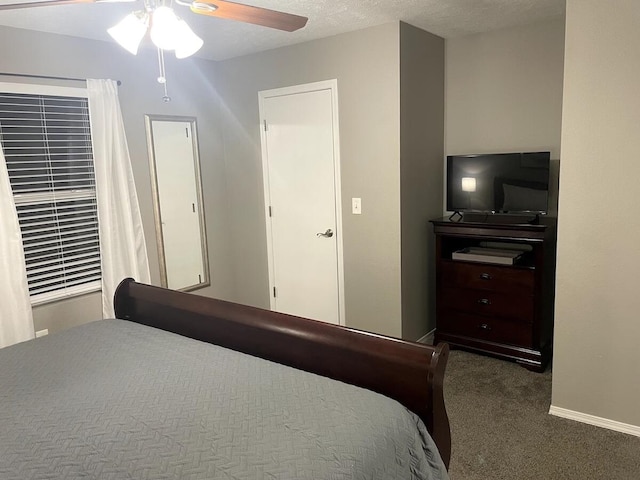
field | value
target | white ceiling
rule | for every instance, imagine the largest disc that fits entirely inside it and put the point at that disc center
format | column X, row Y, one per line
column 225, row 38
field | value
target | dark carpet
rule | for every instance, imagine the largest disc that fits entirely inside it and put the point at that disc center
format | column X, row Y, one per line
column 501, row 429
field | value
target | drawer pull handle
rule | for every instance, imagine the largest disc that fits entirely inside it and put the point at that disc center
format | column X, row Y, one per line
column 485, row 276
column 486, row 327
column 484, row 301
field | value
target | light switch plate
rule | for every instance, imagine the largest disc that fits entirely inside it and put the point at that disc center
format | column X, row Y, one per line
column 356, row 206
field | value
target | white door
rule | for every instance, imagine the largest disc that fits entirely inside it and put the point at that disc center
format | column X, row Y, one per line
column 301, row 172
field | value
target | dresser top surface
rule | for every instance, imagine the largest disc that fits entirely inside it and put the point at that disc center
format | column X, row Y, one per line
column 456, row 226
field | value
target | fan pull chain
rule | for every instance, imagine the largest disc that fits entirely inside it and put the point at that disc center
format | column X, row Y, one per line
column 162, row 79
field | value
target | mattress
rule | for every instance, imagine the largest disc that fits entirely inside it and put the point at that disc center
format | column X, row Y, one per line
column 114, row 399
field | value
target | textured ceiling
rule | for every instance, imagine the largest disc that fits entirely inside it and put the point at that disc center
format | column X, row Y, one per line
column 226, row 38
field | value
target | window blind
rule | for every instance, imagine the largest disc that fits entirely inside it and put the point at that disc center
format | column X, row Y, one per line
column 46, row 142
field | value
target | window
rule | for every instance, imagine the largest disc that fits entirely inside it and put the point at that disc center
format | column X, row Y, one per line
column 46, row 139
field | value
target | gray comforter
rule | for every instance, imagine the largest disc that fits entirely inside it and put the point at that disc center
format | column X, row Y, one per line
column 117, row 400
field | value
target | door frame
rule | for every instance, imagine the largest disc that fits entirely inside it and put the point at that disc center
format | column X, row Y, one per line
column 331, row 85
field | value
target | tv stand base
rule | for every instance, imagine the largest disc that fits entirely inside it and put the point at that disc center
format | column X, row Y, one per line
column 456, row 214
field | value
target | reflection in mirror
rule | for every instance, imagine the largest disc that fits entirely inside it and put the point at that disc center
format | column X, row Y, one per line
column 177, row 201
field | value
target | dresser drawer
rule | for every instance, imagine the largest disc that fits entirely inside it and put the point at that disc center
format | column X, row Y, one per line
column 487, row 329
column 482, row 302
column 487, row 277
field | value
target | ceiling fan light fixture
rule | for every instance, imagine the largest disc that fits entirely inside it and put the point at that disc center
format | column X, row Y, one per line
column 203, row 7
column 164, row 28
column 130, row 31
column 187, row 42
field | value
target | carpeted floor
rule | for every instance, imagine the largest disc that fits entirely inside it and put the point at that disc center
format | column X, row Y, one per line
column 501, row 429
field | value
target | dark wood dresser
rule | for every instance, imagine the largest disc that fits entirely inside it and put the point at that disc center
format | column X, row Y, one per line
column 501, row 310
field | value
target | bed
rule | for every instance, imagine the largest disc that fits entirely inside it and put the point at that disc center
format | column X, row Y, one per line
column 181, row 386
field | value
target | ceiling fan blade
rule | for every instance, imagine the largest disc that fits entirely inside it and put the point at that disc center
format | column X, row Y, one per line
column 256, row 15
column 46, row 3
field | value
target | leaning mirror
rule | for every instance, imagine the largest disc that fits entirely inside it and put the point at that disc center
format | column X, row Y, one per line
column 177, row 201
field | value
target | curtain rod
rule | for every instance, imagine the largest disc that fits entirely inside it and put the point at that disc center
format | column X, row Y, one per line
column 48, row 77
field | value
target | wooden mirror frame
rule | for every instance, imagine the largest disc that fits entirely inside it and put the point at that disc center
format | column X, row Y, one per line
column 155, row 193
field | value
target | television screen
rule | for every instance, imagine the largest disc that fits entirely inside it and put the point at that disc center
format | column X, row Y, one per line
column 498, row 182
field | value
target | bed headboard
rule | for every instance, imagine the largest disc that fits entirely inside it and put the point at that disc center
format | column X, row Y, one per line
column 408, row 372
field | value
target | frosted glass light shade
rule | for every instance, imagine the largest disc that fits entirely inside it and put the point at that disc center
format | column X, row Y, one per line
column 468, row 184
column 168, row 32
column 129, row 32
column 187, row 42
column 164, row 28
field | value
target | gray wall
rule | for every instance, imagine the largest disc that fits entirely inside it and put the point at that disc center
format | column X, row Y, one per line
column 190, row 88
column 421, row 170
column 596, row 355
column 504, row 92
column 366, row 65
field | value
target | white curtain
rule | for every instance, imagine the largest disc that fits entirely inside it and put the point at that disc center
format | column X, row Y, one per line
column 122, row 245
column 16, row 321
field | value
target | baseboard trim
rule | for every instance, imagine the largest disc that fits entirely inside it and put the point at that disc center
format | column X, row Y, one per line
column 428, row 338
column 597, row 421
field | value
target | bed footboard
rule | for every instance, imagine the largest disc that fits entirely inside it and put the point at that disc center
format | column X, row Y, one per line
column 410, row 373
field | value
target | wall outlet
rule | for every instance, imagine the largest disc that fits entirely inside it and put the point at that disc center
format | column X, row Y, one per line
column 42, row 333
column 356, row 206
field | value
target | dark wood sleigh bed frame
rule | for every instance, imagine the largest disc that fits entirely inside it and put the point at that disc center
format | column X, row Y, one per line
column 408, row 372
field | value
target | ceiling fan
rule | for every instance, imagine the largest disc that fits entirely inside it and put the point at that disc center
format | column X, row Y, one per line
column 168, row 31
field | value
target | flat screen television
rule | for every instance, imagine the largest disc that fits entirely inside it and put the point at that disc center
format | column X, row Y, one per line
column 498, row 183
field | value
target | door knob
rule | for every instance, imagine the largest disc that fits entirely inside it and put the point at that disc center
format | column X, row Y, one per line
column 327, row 234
